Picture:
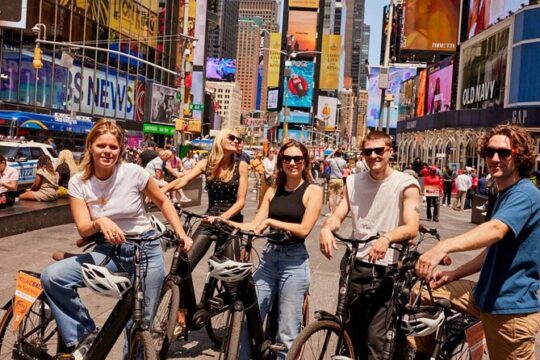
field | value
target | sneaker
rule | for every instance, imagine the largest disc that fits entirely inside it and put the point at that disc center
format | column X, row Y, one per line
column 483, row 213
column 84, row 345
column 482, row 207
column 185, row 199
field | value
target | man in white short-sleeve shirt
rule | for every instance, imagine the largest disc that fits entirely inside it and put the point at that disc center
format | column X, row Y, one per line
column 383, row 202
column 9, row 178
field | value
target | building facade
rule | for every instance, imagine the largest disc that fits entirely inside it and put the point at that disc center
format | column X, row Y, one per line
column 247, row 60
column 329, row 16
column 229, row 97
column 354, row 22
column 266, row 9
column 223, row 30
column 346, row 116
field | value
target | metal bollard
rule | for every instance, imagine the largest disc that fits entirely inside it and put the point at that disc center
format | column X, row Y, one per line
column 325, row 192
column 258, row 188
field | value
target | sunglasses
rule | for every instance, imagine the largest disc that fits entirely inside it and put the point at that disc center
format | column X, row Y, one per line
column 297, row 159
column 232, row 138
column 490, row 152
column 379, row 151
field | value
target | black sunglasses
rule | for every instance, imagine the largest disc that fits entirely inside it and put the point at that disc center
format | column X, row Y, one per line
column 297, row 159
column 503, row 152
column 232, row 137
column 379, row 151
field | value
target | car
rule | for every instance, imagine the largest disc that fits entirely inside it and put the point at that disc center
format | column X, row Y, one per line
column 23, row 155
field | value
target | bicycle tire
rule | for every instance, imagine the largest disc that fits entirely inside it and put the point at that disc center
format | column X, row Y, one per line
column 216, row 326
column 142, row 346
column 234, row 336
column 7, row 337
column 41, row 344
column 164, row 321
column 299, row 351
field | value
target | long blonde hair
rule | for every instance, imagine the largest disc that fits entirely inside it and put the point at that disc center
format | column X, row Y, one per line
column 66, row 157
column 102, row 127
column 217, row 154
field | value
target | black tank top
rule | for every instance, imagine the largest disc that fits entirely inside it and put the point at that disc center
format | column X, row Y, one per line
column 288, row 206
column 222, row 195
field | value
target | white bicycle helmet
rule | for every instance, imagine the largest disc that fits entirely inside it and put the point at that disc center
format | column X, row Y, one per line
column 422, row 321
column 103, row 282
column 228, row 270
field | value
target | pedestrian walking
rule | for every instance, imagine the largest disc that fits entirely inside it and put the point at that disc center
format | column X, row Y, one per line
column 463, row 183
column 432, row 192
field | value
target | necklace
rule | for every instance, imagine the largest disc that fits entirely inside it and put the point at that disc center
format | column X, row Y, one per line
column 105, row 189
column 294, row 189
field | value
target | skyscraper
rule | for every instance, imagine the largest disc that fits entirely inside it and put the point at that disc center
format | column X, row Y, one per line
column 247, row 60
column 354, row 17
column 337, row 17
column 229, row 97
column 266, row 9
column 329, row 16
column 223, row 28
column 364, row 55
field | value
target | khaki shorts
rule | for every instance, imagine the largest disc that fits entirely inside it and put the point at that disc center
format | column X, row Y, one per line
column 336, row 186
column 508, row 337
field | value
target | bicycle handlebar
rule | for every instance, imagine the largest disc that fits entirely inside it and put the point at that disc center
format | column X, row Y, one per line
column 431, row 231
column 354, row 241
column 227, row 228
column 181, row 211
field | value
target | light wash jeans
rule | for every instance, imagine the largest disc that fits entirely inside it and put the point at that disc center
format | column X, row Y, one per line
column 283, row 272
column 61, row 280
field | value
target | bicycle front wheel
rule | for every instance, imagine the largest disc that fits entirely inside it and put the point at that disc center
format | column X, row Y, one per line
column 7, row 336
column 142, row 346
column 165, row 318
column 216, row 326
column 234, row 336
column 319, row 340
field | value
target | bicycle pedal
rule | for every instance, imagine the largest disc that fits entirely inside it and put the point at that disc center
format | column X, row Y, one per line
column 277, row 347
column 216, row 303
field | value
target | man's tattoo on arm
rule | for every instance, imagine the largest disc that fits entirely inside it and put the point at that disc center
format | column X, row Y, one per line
column 417, row 209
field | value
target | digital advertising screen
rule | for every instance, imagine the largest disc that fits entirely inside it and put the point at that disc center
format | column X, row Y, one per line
column 303, row 27
column 430, row 25
column 483, row 74
column 407, row 99
column 306, row 4
column 483, row 13
column 327, row 111
column 299, row 87
column 421, row 93
column 396, row 76
column 220, row 69
column 439, row 89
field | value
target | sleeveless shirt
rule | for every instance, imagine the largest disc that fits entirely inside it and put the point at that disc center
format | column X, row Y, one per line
column 222, row 195
column 288, row 206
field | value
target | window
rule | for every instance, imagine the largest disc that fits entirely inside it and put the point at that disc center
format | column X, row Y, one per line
column 36, row 152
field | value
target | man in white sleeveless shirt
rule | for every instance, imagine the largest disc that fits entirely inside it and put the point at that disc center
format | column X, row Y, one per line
column 381, row 201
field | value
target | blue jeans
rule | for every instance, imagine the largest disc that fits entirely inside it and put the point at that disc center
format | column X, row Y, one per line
column 61, row 280
column 283, row 272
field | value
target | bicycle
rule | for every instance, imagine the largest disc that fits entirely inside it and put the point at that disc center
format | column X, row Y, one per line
column 245, row 306
column 178, row 293
column 37, row 335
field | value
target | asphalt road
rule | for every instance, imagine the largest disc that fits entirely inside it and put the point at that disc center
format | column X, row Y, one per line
column 32, row 251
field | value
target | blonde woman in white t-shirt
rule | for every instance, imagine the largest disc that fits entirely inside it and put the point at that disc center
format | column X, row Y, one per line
column 106, row 197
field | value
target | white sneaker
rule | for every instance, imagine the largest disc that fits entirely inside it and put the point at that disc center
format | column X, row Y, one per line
column 484, row 213
column 84, row 345
column 185, row 199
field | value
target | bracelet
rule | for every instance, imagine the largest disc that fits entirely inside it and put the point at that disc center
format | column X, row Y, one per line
column 386, row 237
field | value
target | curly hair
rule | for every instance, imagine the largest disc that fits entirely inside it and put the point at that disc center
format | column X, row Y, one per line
column 524, row 152
column 281, row 178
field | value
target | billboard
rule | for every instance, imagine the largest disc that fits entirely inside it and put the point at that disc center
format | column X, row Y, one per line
column 299, row 87
column 274, row 59
column 13, row 13
column 430, row 25
column 407, row 99
column 330, row 61
column 483, row 13
column 303, row 29
column 483, row 75
column 440, row 88
column 396, row 76
column 220, row 69
column 327, row 111
column 272, row 99
column 305, row 4
column 421, row 93
column 296, row 117
column 135, row 20
column 164, row 105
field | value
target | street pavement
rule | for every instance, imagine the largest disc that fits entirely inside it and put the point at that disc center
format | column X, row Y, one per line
column 32, row 251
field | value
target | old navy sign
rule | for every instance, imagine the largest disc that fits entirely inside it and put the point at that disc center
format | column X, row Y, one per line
column 479, row 93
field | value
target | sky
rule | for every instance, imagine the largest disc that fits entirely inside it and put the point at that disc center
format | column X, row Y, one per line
column 373, row 17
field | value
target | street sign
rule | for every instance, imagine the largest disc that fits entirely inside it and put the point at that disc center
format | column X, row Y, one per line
column 196, row 107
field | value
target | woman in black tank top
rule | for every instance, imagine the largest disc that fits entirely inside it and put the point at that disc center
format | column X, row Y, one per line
column 294, row 205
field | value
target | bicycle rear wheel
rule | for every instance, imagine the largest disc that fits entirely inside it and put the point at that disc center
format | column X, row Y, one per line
column 37, row 336
column 165, row 318
column 142, row 346
column 216, row 326
column 234, row 336
column 319, row 340
column 7, row 336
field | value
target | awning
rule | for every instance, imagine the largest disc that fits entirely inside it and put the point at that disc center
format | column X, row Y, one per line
column 59, row 122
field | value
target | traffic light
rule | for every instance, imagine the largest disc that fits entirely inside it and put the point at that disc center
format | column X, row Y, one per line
column 37, row 63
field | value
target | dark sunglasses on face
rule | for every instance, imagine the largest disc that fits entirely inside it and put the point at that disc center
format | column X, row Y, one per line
column 297, row 159
column 379, row 151
column 232, row 137
column 490, row 152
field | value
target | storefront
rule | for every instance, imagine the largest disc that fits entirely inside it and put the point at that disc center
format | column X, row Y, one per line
column 158, row 133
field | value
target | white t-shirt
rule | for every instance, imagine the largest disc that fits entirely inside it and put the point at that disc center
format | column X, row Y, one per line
column 125, row 203
column 376, row 207
column 9, row 174
column 269, row 166
column 153, row 165
column 463, row 182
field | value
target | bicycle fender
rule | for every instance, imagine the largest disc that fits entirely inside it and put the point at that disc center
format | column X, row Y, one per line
column 7, row 305
column 325, row 315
